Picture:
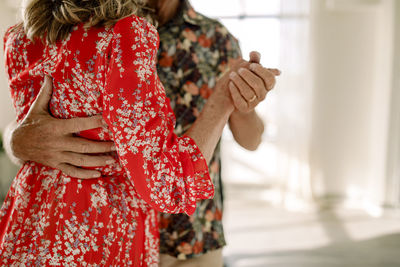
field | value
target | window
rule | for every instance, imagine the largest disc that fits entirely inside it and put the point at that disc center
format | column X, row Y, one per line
column 279, row 30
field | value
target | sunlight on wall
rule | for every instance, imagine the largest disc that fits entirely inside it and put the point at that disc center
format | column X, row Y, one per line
column 279, row 31
column 234, row 8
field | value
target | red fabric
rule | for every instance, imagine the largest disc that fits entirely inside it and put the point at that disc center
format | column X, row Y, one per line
column 49, row 218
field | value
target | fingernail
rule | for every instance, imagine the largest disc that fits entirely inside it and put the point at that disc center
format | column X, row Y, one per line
column 232, row 74
column 97, row 175
column 274, row 71
column 242, row 70
column 113, row 148
column 253, row 66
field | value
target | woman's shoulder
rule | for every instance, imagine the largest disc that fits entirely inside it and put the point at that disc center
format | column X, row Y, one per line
column 16, row 42
column 15, row 32
column 138, row 26
column 15, row 36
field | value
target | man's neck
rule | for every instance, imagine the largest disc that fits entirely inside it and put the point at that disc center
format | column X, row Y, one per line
column 166, row 10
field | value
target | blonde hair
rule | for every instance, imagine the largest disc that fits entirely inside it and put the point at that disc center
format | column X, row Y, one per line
column 53, row 20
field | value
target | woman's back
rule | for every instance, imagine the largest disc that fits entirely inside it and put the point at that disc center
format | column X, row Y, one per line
column 50, row 218
column 78, row 66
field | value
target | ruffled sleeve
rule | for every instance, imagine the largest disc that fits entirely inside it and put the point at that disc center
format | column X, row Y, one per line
column 169, row 172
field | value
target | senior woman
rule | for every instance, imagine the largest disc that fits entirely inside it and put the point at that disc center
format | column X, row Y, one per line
column 101, row 57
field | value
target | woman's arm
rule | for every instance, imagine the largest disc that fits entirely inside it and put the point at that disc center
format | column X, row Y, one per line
column 169, row 172
column 207, row 129
column 248, row 88
column 247, row 129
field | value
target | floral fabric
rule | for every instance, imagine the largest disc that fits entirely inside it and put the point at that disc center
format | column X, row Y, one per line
column 51, row 219
column 194, row 51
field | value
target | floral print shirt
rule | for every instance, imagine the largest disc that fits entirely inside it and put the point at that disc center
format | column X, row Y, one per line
column 51, row 219
column 194, row 51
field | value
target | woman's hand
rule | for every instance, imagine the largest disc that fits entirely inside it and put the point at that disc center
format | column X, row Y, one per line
column 250, row 84
column 246, row 84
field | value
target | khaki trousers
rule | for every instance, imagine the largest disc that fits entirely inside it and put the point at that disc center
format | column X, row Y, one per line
column 210, row 259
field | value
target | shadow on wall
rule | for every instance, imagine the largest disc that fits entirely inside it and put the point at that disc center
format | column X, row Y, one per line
column 374, row 252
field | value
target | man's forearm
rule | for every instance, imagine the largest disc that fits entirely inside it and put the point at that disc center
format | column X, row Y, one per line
column 7, row 142
column 247, row 129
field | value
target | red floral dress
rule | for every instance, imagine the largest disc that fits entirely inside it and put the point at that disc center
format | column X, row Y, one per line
column 49, row 218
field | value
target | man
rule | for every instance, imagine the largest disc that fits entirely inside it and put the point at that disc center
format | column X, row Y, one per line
column 194, row 52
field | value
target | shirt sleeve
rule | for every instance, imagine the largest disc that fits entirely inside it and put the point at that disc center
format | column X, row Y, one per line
column 229, row 50
column 168, row 172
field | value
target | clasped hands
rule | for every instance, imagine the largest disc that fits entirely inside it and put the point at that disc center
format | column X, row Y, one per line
column 248, row 83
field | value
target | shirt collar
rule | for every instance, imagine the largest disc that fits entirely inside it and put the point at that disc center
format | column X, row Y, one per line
column 188, row 14
column 185, row 15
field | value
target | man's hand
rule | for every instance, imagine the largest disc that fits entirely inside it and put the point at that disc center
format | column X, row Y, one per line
column 250, row 85
column 51, row 142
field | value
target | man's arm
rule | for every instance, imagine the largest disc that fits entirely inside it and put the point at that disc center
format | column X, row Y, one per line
column 7, row 137
column 51, row 142
column 248, row 88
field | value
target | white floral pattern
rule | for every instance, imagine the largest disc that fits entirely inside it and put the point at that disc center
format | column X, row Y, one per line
column 50, row 219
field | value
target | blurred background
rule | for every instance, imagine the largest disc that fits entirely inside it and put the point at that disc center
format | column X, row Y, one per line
column 323, row 189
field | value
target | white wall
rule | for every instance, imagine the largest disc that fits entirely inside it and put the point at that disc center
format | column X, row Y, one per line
column 393, row 166
column 352, row 63
column 8, row 17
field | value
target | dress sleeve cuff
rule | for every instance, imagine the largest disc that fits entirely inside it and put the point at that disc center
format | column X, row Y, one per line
column 197, row 174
